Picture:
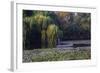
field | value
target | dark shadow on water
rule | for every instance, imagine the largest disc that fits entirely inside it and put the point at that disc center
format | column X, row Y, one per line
column 81, row 45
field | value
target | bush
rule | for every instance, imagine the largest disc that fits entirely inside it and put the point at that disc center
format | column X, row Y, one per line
column 60, row 56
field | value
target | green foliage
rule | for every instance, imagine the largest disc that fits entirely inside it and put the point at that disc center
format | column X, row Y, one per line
column 84, row 20
column 43, row 38
column 52, row 32
column 41, row 22
column 60, row 34
column 51, row 25
column 52, row 55
column 26, row 30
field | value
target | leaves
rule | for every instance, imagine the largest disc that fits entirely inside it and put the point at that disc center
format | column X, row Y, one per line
column 49, row 26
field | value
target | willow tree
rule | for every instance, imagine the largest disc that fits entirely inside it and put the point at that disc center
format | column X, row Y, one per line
column 40, row 22
column 26, row 31
column 52, row 32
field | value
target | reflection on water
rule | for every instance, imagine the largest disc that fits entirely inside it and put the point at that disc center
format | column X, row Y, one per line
column 74, row 44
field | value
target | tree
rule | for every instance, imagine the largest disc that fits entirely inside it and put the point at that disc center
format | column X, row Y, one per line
column 52, row 32
column 41, row 29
